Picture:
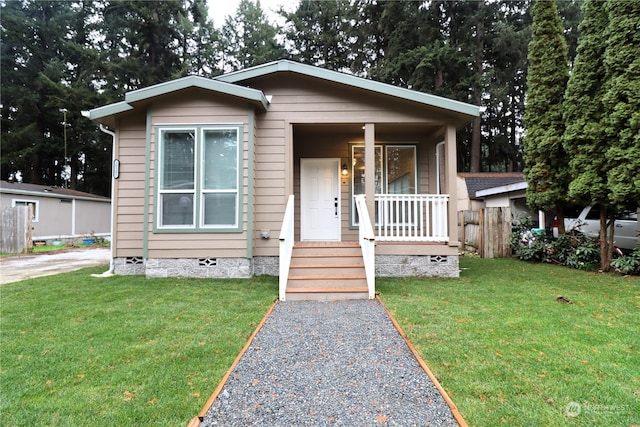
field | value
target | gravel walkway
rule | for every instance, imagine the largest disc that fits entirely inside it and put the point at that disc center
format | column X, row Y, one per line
column 329, row 363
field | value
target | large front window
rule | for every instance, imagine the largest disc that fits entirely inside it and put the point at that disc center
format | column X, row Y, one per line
column 199, row 178
column 395, row 171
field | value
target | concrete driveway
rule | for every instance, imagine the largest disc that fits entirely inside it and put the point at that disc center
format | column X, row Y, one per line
column 22, row 267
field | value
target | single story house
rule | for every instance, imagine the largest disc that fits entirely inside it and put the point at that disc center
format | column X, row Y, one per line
column 254, row 171
column 59, row 213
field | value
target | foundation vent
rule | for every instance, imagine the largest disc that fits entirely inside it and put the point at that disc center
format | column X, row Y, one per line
column 207, row 262
column 438, row 259
column 134, row 260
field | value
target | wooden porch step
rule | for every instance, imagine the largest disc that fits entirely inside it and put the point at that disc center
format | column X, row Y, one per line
column 333, row 290
column 330, row 277
column 326, row 271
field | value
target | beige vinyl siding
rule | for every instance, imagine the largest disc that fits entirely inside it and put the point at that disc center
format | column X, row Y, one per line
column 298, row 100
column 129, row 187
column 307, row 100
column 196, row 107
column 269, row 177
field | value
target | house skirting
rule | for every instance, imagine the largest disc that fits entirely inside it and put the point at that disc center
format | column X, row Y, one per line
column 417, row 266
column 229, row 268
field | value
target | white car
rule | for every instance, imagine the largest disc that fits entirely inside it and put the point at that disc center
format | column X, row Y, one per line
column 625, row 234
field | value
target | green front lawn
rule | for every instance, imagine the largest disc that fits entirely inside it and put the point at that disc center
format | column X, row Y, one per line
column 78, row 350
column 509, row 354
column 120, row 351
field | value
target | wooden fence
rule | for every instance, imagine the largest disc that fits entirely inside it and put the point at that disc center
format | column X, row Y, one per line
column 486, row 231
column 16, row 230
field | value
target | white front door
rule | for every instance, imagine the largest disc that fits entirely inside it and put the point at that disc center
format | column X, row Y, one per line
column 320, row 199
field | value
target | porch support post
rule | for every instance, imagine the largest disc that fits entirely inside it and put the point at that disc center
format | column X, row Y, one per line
column 451, row 163
column 370, row 168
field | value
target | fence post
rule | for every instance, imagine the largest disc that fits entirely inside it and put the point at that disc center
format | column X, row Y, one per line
column 461, row 226
column 496, row 231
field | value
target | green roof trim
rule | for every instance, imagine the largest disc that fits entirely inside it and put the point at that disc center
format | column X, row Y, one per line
column 252, row 95
column 108, row 110
column 354, row 81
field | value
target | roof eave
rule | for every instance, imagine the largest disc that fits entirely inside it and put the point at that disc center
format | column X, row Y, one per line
column 108, row 110
column 354, row 81
column 253, row 95
column 516, row 186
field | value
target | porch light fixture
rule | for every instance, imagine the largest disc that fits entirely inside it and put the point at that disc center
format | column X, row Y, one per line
column 345, row 171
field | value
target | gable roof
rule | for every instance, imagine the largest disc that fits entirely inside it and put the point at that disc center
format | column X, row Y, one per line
column 353, row 81
column 252, row 95
column 229, row 84
column 25, row 189
column 481, row 181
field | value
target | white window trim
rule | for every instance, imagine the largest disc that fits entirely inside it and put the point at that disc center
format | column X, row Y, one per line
column 36, row 209
column 384, row 176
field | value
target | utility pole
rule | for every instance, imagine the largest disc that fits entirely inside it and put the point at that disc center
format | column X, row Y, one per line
column 66, row 163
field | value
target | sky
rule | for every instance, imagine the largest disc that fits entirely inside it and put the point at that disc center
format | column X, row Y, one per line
column 220, row 9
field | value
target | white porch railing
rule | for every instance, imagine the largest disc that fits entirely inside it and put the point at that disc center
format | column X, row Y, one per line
column 367, row 244
column 412, row 217
column 286, row 248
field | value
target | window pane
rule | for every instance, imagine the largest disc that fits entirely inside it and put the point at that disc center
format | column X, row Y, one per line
column 178, row 154
column 358, row 169
column 220, row 159
column 177, row 209
column 401, row 170
column 220, row 209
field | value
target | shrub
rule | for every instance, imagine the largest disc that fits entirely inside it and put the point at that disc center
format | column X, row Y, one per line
column 574, row 249
column 628, row 264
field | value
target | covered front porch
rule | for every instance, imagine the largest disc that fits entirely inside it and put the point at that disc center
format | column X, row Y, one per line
column 399, row 211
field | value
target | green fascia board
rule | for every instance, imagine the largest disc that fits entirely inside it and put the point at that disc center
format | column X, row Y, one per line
column 354, row 81
column 109, row 110
column 253, row 95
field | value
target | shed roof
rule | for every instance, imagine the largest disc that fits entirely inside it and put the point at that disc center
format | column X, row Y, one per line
column 25, row 189
column 481, row 181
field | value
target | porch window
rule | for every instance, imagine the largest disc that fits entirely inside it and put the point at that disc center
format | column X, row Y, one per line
column 395, row 172
column 198, row 180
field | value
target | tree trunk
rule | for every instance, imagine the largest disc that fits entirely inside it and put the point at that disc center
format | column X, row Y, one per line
column 606, row 239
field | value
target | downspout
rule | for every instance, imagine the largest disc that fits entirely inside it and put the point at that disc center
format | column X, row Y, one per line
column 104, row 129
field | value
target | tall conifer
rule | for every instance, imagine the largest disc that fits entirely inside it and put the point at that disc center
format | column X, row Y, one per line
column 584, row 137
column 546, row 162
column 621, row 102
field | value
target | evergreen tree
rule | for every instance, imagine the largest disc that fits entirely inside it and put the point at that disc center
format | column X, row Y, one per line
column 584, row 137
column 249, row 39
column 546, row 162
column 321, row 33
column 73, row 56
column 621, row 102
column 147, row 43
column 33, row 55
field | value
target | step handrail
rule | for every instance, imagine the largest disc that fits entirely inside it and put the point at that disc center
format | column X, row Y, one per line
column 367, row 241
column 286, row 248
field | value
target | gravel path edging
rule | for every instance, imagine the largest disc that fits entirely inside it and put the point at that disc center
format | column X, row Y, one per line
column 195, row 421
column 229, row 390
column 454, row 409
